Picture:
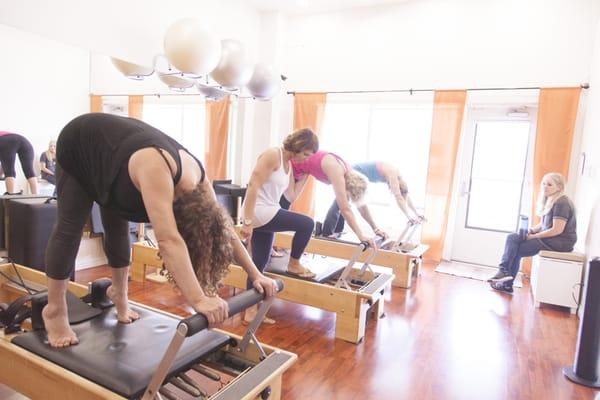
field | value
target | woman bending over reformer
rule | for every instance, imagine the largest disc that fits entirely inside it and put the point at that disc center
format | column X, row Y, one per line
column 137, row 173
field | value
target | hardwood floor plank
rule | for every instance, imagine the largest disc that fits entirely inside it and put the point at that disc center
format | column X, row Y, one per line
column 445, row 338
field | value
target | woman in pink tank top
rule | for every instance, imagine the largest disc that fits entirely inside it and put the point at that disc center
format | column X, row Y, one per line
column 348, row 185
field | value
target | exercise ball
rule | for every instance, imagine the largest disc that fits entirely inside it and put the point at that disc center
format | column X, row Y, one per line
column 235, row 68
column 176, row 82
column 131, row 70
column 211, row 93
column 264, row 83
column 191, row 48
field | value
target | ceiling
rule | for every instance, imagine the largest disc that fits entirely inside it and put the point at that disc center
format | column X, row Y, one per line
column 315, row 6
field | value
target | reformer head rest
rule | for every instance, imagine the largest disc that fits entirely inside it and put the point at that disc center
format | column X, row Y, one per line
column 198, row 322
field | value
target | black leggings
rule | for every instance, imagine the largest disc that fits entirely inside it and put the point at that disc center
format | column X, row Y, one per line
column 284, row 220
column 74, row 206
column 11, row 145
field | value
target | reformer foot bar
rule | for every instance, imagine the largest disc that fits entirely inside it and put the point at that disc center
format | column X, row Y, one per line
column 339, row 287
column 160, row 356
column 404, row 262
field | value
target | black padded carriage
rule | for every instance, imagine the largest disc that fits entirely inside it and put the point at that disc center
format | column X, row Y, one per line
column 123, row 357
column 31, row 223
column 324, row 268
column 4, row 199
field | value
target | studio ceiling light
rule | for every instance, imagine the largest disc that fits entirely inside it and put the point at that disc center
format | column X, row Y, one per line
column 193, row 56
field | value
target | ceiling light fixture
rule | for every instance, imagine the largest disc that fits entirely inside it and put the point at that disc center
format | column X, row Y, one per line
column 195, row 57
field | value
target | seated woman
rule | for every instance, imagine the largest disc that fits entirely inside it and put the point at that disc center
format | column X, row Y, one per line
column 347, row 185
column 137, row 173
column 262, row 214
column 11, row 145
column 48, row 163
column 557, row 231
column 376, row 172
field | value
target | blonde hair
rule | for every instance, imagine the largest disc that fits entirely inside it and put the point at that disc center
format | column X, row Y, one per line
column 208, row 232
column 545, row 203
column 356, row 186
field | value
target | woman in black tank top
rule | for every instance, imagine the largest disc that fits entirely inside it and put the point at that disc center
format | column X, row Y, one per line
column 11, row 146
column 137, row 173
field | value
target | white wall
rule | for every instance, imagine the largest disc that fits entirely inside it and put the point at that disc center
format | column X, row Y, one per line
column 443, row 44
column 44, row 84
column 588, row 175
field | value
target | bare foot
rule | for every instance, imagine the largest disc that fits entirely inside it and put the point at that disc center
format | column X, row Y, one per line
column 295, row 268
column 125, row 315
column 250, row 314
column 57, row 326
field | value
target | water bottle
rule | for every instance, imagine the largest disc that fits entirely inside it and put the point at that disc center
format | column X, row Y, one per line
column 523, row 226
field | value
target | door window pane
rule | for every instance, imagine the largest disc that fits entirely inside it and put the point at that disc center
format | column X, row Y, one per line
column 499, row 156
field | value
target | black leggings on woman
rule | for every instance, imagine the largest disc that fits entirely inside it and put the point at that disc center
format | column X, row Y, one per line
column 11, row 145
column 74, row 206
column 284, row 220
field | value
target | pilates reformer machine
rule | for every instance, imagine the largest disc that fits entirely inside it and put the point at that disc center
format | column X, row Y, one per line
column 159, row 356
column 338, row 286
column 401, row 255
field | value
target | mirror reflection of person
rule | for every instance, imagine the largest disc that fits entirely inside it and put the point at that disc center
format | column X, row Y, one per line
column 137, row 173
column 11, row 146
column 48, row 163
column 557, row 231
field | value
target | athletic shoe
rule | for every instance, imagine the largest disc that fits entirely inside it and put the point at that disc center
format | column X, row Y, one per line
column 318, row 228
column 501, row 276
column 502, row 287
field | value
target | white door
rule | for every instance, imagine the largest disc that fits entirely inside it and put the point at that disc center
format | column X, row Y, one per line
column 491, row 184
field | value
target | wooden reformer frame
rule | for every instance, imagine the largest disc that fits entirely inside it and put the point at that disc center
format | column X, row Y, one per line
column 350, row 306
column 38, row 378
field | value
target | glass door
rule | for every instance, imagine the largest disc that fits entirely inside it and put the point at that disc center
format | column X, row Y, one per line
column 491, row 186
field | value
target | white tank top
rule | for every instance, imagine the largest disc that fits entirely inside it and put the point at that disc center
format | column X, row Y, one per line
column 268, row 195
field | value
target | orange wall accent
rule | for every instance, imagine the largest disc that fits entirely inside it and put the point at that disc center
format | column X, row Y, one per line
column 448, row 110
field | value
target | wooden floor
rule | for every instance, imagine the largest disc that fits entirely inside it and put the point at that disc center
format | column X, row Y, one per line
column 446, row 338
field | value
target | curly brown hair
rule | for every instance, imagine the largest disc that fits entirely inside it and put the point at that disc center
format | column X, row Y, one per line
column 301, row 140
column 207, row 231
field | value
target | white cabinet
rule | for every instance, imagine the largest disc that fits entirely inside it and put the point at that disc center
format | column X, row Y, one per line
column 556, row 281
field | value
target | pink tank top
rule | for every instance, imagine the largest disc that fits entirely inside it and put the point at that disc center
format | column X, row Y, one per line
column 312, row 166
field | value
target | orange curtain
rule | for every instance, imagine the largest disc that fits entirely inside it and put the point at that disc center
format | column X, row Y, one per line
column 448, row 110
column 217, row 133
column 135, row 107
column 557, row 112
column 309, row 111
column 95, row 103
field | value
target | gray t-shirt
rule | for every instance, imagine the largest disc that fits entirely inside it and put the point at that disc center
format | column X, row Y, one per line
column 563, row 208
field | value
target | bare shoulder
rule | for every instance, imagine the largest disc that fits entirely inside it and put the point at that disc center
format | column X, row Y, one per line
column 269, row 158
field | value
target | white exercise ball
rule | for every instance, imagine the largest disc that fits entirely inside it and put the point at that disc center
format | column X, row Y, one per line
column 264, row 83
column 131, row 70
column 211, row 93
column 191, row 48
column 235, row 67
column 176, row 82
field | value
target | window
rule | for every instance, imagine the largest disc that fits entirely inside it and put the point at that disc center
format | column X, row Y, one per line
column 182, row 119
column 499, row 155
column 396, row 130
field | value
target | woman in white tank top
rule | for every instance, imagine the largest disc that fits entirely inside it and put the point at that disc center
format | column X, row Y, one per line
column 262, row 214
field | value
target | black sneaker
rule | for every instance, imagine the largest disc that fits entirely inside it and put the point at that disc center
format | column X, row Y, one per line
column 502, row 287
column 501, row 276
column 318, row 228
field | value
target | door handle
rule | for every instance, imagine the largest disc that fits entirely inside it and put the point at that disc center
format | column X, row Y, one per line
column 464, row 189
